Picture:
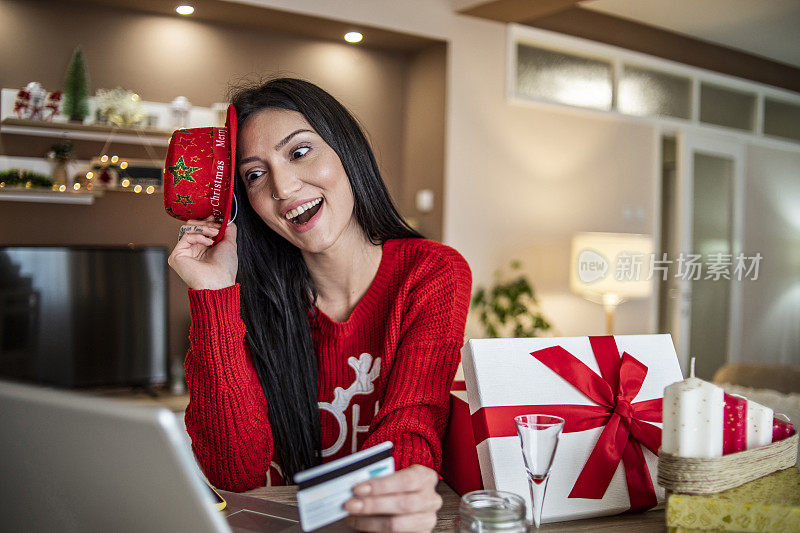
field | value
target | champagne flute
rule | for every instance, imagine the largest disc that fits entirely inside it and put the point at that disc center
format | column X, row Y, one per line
column 539, row 436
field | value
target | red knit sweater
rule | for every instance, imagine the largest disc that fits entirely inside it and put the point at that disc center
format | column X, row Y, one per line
column 384, row 374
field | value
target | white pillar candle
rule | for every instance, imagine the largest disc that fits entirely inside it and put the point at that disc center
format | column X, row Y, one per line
column 759, row 425
column 693, row 418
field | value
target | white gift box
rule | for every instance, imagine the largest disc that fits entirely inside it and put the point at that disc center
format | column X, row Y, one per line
column 503, row 373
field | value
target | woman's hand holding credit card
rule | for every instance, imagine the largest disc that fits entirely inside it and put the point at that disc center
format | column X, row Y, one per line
column 404, row 501
column 366, row 487
column 323, row 490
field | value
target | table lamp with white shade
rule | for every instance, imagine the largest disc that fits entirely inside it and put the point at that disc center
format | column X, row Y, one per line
column 609, row 268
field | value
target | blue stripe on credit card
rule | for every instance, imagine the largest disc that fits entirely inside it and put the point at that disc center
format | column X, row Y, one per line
column 323, row 490
column 375, row 472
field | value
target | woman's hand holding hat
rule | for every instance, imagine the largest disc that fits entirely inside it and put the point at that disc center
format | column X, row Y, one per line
column 200, row 265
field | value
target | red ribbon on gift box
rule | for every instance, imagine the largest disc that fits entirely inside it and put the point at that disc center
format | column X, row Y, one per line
column 624, row 423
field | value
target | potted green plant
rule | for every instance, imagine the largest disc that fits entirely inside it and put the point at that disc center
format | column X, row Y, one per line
column 509, row 307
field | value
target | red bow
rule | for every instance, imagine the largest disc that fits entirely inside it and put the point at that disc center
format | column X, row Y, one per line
column 623, row 422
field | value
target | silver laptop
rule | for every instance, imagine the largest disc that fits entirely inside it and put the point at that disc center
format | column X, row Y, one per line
column 70, row 462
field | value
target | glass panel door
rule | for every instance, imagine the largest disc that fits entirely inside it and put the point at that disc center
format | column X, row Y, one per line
column 712, row 229
column 704, row 230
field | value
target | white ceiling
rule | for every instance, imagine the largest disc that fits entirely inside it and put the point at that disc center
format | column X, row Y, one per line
column 768, row 28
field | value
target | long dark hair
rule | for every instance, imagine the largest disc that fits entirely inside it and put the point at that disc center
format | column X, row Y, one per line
column 277, row 292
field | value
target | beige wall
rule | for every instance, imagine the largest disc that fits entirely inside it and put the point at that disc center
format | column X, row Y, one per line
column 519, row 180
column 525, row 179
column 424, row 136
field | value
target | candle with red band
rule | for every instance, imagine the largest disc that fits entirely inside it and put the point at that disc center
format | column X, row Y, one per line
column 734, row 438
column 781, row 429
column 700, row 420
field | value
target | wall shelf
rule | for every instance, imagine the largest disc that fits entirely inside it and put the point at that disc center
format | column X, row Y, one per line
column 91, row 132
column 21, row 194
column 33, row 138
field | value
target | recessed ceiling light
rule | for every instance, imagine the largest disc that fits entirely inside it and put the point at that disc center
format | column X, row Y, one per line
column 353, row 37
column 184, row 10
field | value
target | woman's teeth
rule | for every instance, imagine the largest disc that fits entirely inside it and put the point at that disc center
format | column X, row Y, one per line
column 297, row 211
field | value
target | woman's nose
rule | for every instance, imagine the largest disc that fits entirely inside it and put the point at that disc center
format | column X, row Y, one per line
column 285, row 183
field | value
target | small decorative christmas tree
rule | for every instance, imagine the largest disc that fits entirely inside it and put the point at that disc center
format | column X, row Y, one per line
column 76, row 88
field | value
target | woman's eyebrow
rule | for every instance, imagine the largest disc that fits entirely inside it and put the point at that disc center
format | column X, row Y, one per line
column 278, row 146
column 289, row 138
column 248, row 160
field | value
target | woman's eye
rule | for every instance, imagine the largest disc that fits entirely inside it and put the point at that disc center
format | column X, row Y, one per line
column 252, row 175
column 300, row 152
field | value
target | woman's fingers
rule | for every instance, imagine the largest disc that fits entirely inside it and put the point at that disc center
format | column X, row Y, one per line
column 201, row 228
column 192, row 243
column 404, row 501
column 410, row 479
column 198, row 264
column 206, row 222
column 197, row 238
column 399, row 503
column 407, row 522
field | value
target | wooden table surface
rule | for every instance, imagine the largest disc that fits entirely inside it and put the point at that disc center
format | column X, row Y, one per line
column 649, row 522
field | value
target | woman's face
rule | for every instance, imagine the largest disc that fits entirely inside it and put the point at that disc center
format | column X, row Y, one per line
column 281, row 154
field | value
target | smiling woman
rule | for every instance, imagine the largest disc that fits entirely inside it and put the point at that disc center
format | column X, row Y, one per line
column 296, row 182
column 322, row 324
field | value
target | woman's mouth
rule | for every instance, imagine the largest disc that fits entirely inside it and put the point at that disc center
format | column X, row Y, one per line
column 303, row 213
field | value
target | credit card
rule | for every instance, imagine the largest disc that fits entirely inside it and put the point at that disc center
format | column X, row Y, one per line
column 323, row 490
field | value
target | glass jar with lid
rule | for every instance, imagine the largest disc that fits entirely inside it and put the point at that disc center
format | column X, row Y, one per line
column 490, row 511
